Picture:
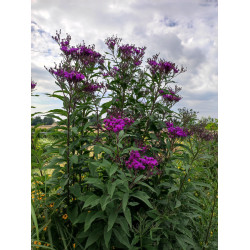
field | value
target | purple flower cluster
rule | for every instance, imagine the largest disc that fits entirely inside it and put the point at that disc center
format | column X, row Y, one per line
column 33, row 84
column 163, row 67
column 175, row 132
column 112, row 41
column 130, row 52
column 117, row 124
column 136, row 161
column 92, row 87
column 85, row 54
column 72, row 76
column 170, row 97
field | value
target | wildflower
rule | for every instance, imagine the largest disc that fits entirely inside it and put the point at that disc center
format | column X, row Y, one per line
column 52, row 204
column 45, row 229
column 137, row 161
column 33, row 84
column 43, row 217
column 160, row 66
column 116, row 124
column 74, row 245
column 175, row 132
column 71, row 76
column 112, row 41
column 89, row 211
column 65, row 216
column 35, row 242
column 189, row 180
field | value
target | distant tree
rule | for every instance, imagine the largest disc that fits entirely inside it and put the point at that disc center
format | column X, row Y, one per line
column 48, row 120
column 36, row 120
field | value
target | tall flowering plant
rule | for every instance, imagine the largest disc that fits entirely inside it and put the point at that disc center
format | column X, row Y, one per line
column 115, row 182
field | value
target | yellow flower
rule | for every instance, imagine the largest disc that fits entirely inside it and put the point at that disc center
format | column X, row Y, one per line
column 89, row 211
column 35, row 242
column 45, row 229
column 39, row 243
column 189, row 180
column 65, row 216
column 52, row 204
column 43, row 217
column 74, row 245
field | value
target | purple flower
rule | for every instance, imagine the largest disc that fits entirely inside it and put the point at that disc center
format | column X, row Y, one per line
column 116, row 124
column 163, row 67
column 33, row 85
column 112, row 41
column 136, row 161
column 172, row 96
column 72, row 76
column 175, row 132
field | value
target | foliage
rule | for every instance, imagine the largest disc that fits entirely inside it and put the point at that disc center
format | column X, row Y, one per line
column 42, row 121
column 122, row 172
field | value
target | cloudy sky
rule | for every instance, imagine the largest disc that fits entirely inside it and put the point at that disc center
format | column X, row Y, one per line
column 183, row 31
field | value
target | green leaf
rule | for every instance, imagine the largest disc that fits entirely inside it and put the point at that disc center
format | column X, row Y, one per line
column 33, row 215
column 111, row 219
column 104, row 201
column 74, row 130
column 62, row 151
column 90, row 218
column 92, row 201
column 124, row 224
column 96, row 182
column 93, row 237
column 107, row 235
column 181, row 242
column 146, row 185
column 74, row 159
column 73, row 214
column 122, row 238
column 143, row 197
column 75, row 190
column 121, row 133
column 113, row 169
column 178, row 203
column 125, row 201
column 128, row 216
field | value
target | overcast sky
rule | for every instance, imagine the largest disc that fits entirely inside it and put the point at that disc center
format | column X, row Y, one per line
column 183, row 31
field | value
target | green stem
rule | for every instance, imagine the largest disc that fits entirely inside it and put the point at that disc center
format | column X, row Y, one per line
column 210, row 221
